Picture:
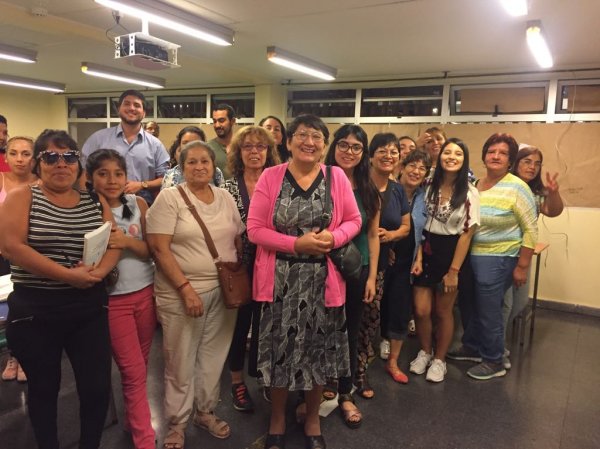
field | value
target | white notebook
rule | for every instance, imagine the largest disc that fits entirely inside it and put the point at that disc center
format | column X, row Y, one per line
column 95, row 244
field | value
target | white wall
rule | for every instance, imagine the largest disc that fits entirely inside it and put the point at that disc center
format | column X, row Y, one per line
column 29, row 112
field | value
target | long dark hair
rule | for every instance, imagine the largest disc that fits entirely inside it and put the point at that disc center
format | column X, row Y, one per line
column 284, row 153
column 366, row 189
column 536, row 185
column 461, row 183
column 93, row 163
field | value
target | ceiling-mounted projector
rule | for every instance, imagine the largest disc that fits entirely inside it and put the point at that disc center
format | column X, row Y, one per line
column 146, row 52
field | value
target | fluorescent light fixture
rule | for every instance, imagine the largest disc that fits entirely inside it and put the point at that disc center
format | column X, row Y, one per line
column 301, row 64
column 171, row 17
column 121, row 75
column 17, row 54
column 515, row 7
column 537, row 44
column 29, row 83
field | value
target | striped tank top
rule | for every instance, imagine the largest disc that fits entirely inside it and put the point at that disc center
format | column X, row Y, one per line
column 57, row 233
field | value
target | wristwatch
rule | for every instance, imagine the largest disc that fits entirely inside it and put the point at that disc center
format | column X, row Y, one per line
column 144, row 184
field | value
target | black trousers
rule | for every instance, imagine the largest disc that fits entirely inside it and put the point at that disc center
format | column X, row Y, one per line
column 355, row 291
column 41, row 324
column 396, row 302
column 248, row 316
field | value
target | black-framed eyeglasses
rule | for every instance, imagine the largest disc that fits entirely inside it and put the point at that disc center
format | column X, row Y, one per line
column 344, row 147
column 52, row 157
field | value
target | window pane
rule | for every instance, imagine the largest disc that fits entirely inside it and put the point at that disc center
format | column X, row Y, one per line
column 402, row 108
column 578, row 98
column 185, row 106
column 499, row 100
column 323, row 103
column 243, row 104
column 87, row 107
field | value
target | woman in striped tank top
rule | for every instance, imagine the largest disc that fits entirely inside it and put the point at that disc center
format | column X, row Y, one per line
column 58, row 303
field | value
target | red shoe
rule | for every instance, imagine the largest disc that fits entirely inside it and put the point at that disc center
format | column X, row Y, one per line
column 397, row 374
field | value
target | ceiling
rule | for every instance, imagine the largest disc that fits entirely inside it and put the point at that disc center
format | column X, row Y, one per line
column 363, row 39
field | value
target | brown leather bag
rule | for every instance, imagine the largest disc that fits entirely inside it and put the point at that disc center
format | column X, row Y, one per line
column 233, row 276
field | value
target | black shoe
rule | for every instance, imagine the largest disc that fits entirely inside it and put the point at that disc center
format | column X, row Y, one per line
column 275, row 441
column 315, row 442
column 241, row 398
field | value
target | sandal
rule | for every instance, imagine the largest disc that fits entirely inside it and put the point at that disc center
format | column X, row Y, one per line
column 363, row 388
column 330, row 390
column 175, row 437
column 350, row 416
column 213, row 424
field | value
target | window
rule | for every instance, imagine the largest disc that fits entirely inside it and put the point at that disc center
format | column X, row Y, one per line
column 323, row 103
column 578, row 97
column 184, row 106
column 497, row 100
column 402, row 101
column 243, row 104
column 87, row 107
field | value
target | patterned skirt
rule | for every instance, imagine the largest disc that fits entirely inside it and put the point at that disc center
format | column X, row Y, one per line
column 302, row 343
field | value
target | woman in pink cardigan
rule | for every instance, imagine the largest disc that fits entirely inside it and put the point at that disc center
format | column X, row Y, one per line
column 302, row 338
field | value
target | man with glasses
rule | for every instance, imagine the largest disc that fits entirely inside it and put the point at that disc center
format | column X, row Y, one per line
column 146, row 156
column 223, row 117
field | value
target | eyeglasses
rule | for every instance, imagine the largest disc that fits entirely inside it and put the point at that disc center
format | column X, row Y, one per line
column 412, row 167
column 381, row 152
column 316, row 137
column 344, row 147
column 260, row 147
column 52, row 157
column 529, row 163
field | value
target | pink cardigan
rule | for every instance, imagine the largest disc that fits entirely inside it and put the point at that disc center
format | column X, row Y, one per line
column 345, row 225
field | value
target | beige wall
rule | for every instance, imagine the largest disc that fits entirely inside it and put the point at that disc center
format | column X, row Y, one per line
column 570, row 269
column 29, row 112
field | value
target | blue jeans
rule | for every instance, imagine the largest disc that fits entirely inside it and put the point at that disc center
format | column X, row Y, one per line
column 485, row 332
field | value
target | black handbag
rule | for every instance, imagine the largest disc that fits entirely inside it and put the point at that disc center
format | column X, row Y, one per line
column 347, row 258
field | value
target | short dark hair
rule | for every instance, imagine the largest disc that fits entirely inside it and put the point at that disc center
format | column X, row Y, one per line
column 3, row 120
column 58, row 138
column 513, row 146
column 382, row 140
column 133, row 93
column 310, row 121
column 225, row 107
column 417, row 156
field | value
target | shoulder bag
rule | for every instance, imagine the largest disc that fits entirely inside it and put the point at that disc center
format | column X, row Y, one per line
column 347, row 258
column 233, row 276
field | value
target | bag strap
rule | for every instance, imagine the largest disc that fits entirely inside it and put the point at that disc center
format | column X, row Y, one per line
column 209, row 241
column 327, row 206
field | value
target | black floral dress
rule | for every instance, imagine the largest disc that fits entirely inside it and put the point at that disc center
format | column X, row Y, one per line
column 302, row 343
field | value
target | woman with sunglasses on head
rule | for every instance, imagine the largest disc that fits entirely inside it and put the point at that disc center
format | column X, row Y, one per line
column 131, row 311
column 452, row 218
column 58, row 303
column 349, row 151
column 394, row 225
column 19, row 158
column 303, row 339
column 528, row 167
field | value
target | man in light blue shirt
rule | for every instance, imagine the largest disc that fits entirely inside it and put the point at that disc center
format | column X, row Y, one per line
column 146, row 157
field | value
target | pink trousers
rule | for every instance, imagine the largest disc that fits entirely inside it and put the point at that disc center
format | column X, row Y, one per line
column 132, row 320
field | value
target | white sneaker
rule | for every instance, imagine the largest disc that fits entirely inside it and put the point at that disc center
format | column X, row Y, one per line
column 436, row 371
column 412, row 327
column 506, row 359
column 420, row 364
column 384, row 349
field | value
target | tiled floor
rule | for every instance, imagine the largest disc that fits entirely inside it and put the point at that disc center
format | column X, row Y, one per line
column 550, row 399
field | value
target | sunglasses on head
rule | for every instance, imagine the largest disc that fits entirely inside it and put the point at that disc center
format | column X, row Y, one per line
column 52, row 157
